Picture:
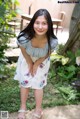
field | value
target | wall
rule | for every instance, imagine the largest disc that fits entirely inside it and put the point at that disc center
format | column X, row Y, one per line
column 51, row 5
column 68, row 8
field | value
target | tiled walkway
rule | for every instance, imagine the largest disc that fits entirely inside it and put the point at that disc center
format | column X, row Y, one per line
column 58, row 112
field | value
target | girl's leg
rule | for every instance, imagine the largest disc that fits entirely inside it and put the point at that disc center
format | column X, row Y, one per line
column 38, row 93
column 23, row 96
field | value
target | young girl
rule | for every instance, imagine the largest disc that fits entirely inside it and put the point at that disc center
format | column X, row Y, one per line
column 36, row 42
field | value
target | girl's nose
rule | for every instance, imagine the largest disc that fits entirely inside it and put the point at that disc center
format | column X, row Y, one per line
column 40, row 25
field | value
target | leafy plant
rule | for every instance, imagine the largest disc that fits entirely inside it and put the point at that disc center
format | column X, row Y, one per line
column 63, row 73
column 68, row 93
column 55, row 57
column 66, row 73
column 6, row 14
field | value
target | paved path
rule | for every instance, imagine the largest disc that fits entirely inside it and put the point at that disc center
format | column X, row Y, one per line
column 58, row 112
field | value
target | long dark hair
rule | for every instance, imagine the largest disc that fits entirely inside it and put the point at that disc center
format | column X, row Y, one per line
column 29, row 30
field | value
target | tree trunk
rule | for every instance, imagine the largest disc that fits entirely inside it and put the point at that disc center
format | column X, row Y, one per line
column 73, row 42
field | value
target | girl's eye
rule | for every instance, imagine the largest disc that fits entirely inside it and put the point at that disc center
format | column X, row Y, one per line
column 36, row 22
column 44, row 23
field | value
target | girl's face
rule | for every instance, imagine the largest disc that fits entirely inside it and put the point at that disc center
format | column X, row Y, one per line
column 40, row 25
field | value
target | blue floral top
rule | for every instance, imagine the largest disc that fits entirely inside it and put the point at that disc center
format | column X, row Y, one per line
column 36, row 52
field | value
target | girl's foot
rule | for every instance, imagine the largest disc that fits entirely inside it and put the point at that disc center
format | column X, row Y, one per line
column 37, row 114
column 21, row 114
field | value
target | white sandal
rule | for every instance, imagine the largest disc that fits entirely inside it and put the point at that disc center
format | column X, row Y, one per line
column 37, row 116
column 21, row 114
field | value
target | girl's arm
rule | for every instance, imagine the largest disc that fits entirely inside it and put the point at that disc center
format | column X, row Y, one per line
column 27, row 58
column 40, row 60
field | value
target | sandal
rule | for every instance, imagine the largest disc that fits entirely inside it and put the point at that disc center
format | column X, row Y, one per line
column 37, row 116
column 21, row 114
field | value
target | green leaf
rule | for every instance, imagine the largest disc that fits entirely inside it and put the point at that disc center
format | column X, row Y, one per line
column 71, row 68
column 77, row 53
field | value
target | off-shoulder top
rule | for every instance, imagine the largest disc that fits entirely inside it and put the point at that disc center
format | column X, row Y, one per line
column 33, row 51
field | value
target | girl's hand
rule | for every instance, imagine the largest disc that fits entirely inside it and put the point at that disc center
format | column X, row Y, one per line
column 37, row 63
column 30, row 65
column 35, row 67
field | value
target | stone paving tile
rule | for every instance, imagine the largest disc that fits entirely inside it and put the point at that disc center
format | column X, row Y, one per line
column 58, row 112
